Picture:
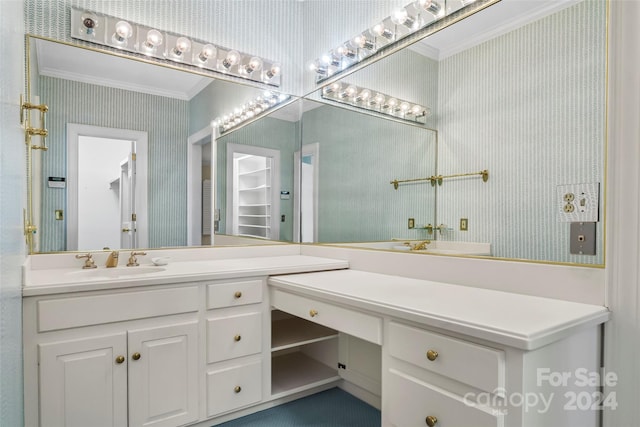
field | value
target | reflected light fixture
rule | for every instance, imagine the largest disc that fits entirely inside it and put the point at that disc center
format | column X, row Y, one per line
column 166, row 46
column 402, row 22
column 251, row 110
column 360, row 97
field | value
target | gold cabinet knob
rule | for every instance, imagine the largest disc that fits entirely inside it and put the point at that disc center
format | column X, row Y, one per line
column 120, row 359
column 431, row 421
column 135, row 356
column 432, row 355
column 237, row 389
column 237, row 338
column 238, row 294
column 313, row 313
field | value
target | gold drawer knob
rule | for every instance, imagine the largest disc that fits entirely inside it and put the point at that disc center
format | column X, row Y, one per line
column 120, row 359
column 237, row 389
column 238, row 294
column 432, row 355
column 431, row 421
column 135, row 356
column 313, row 313
column 237, row 338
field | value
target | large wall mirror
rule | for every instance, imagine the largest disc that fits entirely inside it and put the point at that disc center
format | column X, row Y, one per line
column 130, row 137
column 518, row 90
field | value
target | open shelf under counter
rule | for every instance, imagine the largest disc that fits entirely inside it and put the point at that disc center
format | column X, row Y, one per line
column 295, row 372
column 294, row 331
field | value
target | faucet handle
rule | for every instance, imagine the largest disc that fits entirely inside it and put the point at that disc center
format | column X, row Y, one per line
column 133, row 261
column 89, row 263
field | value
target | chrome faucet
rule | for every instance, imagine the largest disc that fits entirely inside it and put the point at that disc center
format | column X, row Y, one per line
column 133, row 261
column 88, row 262
column 112, row 261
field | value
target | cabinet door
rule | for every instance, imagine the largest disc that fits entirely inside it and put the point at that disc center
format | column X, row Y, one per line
column 84, row 382
column 163, row 375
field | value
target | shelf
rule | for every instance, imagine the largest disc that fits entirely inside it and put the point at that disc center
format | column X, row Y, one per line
column 266, row 227
column 253, row 172
column 295, row 372
column 255, row 205
column 254, row 216
column 292, row 332
column 260, row 187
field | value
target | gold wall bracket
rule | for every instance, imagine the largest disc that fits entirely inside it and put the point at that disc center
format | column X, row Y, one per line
column 25, row 108
column 438, row 179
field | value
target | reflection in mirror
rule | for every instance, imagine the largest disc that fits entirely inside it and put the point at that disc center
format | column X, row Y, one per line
column 166, row 112
column 518, row 89
column 348, row 161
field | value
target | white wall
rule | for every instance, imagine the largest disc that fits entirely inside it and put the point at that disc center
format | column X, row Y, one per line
column 12, row 200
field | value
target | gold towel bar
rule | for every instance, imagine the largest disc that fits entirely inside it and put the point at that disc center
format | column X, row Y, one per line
column 438, row 178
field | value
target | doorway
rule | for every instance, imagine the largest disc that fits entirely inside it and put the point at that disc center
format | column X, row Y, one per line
column 107, row 188
column 306, row 174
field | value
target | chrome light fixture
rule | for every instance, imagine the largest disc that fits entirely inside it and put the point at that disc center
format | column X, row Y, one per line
column 249, row 111
column 140, row 39
column 403, row 22
column 361, row 97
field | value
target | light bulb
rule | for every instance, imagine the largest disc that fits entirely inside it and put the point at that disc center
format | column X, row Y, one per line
column 123, row 32
column 417, row 110
column 362, row 42
column 381, row 31
column 392, row 103
column 433, row 7
column 399, row 16
column 364, row 95
column 379, row 99
column 183, row 45
column 333, row 88
column 254, row 64
column 351, row 91
column 89, row 24
column 273, row 71
column 404, row 107
column 233, row 57
column 345, row 51
column 208, row 51
column 154, row 39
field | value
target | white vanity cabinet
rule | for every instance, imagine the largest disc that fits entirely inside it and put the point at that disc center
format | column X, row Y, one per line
column 236, row 322
column 132, row 372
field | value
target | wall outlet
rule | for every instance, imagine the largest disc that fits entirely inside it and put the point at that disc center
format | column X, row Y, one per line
column 411, row 223
column 464, row 224
column 578, row 202
column 583, row 238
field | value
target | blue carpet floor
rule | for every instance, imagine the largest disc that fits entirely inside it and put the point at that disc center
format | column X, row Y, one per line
column 331, row 408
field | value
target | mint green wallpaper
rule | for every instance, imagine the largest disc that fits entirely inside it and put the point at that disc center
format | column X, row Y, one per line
column 529, row 106
column 359, row 155
column 267, row 133
column 167, row 123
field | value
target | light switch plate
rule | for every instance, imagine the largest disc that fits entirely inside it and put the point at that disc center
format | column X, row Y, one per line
column 578, row 202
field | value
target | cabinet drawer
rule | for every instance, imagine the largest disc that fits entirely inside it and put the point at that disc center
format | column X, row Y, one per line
column 230, row 294
column 410, row 401
column 360, row 325
column 472, row 364
column 234, row 336
column 65, row 313
column 233, row 388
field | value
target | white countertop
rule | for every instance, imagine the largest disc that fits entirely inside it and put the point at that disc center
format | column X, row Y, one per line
column 520, row 321
column 63, row 280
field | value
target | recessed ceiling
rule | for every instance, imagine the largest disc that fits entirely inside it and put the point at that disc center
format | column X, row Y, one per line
column 88, row 66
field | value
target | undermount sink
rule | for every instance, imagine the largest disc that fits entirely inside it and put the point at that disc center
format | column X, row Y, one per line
column 110, row 273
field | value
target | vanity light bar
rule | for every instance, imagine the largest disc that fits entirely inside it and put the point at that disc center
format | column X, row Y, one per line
column 249, row 111
column 372, row 100
column 131, row 37
column 402, row 22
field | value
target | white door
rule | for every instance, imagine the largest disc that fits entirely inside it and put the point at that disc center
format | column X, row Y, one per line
column 163, row 375
column 306, row 181
column 84, row 382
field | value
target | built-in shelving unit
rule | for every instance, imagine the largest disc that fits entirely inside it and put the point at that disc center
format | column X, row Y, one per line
column 304, row 355
column 252, row 196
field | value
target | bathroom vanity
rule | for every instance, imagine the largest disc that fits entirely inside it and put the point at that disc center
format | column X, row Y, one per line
column 199, row 342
